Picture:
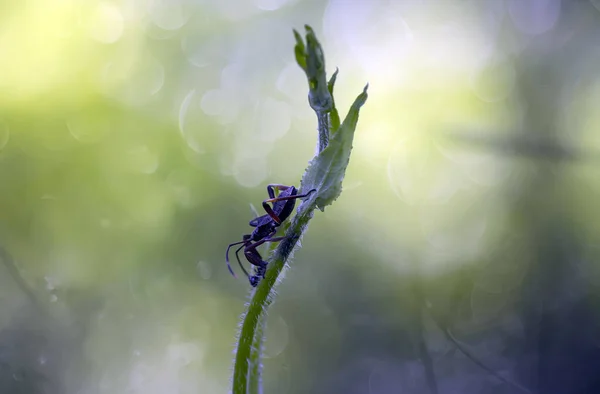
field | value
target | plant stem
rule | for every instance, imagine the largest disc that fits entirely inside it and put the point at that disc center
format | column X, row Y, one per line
column 323, row 126
column 324, row 176
column 255, row 371
column 262, row 297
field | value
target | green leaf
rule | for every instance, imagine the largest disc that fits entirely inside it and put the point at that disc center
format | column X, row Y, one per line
column 334, row 117
column 300, row 51
column 326, row 171
column 311, row 59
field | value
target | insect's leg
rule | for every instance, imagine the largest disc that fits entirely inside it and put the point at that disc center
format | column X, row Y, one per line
column 255, row 258
column 271, row 188
column 266, row 239
column 253, row 255
column 272, row 213
column 239, row 261
column 227, row 254
column 311, row 191
column 275, row 199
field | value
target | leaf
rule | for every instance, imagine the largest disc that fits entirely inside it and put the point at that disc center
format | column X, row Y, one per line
column 300, row 51
column 326, row 171
column 334, row 117
column 311, row 59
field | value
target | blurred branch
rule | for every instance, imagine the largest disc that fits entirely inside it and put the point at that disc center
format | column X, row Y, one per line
column 525, row 145
column 423, row 351
column 463, row 349
column 325, row 174
column 15, row 274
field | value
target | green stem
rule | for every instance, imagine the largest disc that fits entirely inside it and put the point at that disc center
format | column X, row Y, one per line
column 262, row 297
column 324, row 175
column 248, row 368
column 255, row 371
column 323, row 122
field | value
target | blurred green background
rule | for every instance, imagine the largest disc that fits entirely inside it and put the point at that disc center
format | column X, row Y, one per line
column 135, row 135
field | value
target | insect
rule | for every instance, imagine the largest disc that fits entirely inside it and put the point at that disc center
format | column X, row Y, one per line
column 265, row 227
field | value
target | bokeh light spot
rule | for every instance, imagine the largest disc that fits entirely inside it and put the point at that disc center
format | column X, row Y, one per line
column 534, row 16
column 379, row 46
column 277, row 337
column 199, row 133
column 183, row 353
column 202, row 50
column 270, row 5
column 105, row 223
column 107, row 23
column 250, row 172
column 214, row 102
column 235, row 10
column 134, row 79
column 168, row 15
column 142, row 159
column 184, row 123
column 290, row 82
column 88, row 129
column 178, row 182
column 274, row 119
column 204, row 270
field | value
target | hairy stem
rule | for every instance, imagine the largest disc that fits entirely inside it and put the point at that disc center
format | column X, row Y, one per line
column 324, row 177
column 262, row 297
column 323, row 127
column 255, row 371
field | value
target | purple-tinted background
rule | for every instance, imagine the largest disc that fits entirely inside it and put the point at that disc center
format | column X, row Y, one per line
column 136, row 134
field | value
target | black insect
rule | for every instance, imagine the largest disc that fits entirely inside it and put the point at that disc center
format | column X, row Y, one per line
column 265, row 229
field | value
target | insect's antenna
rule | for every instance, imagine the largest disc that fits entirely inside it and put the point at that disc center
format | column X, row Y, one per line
column 227, row 257
column 239, row 262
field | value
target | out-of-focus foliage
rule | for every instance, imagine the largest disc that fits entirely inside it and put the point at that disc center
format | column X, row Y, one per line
column 135, row 134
